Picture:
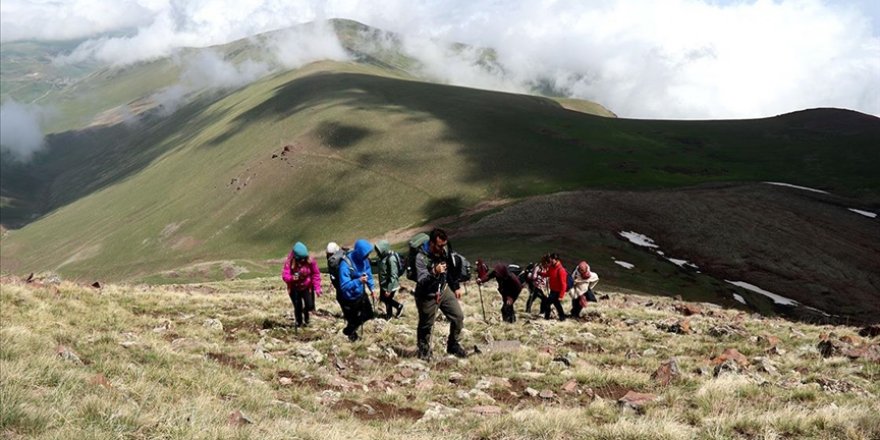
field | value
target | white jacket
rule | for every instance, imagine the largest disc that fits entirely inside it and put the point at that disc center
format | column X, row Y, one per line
column 582, row 285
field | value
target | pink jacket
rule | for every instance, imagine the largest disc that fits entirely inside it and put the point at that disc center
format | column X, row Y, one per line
column 309, row 275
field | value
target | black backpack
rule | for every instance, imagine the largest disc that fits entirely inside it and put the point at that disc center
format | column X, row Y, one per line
column 333, row 267
column 462, row 267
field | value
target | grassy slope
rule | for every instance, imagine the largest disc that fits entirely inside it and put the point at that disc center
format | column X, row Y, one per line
column 174, row 377
column 373, row 153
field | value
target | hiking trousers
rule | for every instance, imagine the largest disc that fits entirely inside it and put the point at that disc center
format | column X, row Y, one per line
column 553, row 301
column 428, row 313
column 303, row 302
column 507, row 312
column 535, row 293
column 390, row 303
column 356, row 313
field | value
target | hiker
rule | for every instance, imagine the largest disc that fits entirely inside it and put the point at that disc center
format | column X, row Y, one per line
column 509, row 286
column 334, row 257
column 303, row 280
column 435, row 289
column 582, row 289
column 556, row 279
column 390, row 268
column 355, row 280
column 535, row 282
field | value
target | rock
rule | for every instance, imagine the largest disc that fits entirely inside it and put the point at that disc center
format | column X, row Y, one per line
column 547, row 394
column 796, row 332
column 731, row 354
column 463, row 395
column 407, row 372
column 764, row 364
column 728, row 366
column 562, row 360
column 390, row 353
column 768, row 340
column 163, row 327
column 531, row 392
column 128, row 344
column 487, row 410
column 681, row 327
column 339, row 364
column 526, row 366
column 871, row 331
column 237, row 418
column 101, row 380
column 425, row 384
column 866, row 352
column 306, row 351
column 68, row 354
column 722, row 331
column 649, row 352
column 636, row 401
column 570, row 386
column 374, row 349
column 285, row 381
column 774, row 350
column 96, row 284
column 688, row 309
column 532, row 375
column 213, row 324
column 503, row 347
column 456, row 377
column 667, row 372
column 483, row 384
column 437, row 411
column 632, row 354
column 260, row 354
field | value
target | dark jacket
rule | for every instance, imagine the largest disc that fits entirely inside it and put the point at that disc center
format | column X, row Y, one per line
column 508, row 284
column 428, row 284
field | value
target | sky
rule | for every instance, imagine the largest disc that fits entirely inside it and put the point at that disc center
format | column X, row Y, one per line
column 671, row 59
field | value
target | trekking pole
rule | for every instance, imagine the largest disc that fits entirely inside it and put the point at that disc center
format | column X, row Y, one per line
column 482, row 306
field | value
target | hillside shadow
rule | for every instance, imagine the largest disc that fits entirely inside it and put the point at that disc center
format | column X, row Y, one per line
column 77, row 163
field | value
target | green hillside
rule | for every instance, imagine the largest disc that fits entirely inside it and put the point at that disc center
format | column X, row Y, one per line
column 370, row 153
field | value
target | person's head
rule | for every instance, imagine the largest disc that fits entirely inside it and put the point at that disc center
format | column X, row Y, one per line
column 383, row 248
column 300, row 252
column 332, row 248
column 584, row 269
column 553, row 259
column 437, row 241
column 545, row 260
column 362, row 249
column 501, row 271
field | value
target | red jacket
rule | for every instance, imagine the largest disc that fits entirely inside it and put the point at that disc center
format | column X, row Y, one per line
column 557, row 278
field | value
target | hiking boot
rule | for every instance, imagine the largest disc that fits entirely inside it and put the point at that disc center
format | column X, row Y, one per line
column 425, row 355
column 346, row 331
column 456, row 351
column 353, row 337
column 399, row 311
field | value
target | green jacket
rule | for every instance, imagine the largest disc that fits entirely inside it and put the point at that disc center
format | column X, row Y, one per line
column 389, row 277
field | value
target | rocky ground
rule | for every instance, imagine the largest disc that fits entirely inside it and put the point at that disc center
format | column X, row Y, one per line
column 223, row 360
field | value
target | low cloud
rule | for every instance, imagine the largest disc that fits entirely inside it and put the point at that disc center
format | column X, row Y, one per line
column 21, row 134
column 640, row 58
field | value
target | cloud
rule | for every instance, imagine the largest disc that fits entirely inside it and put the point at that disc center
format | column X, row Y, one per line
column 640, row 58
column 20, row 133
column 56, row 20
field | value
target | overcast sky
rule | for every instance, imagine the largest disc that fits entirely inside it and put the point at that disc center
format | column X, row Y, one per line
column 640, row 58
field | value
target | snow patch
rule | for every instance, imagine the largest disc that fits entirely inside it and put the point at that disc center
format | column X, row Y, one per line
column 624, row 264
column 739, row 298
column 682, row 263
column 638, row 239
column 778, row 299
column 868, row 214
column 797, row 187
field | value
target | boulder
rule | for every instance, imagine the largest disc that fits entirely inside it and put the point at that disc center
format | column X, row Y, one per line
column 237, row 418
column 667, row 372
column 731, row 354
column 636, row 401
column 688, row 309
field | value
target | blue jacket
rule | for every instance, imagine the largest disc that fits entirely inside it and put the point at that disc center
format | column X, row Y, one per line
column 349, row 278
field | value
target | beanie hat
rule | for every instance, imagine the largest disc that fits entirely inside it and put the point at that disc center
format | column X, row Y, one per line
column 332, row 248
column 300, row 250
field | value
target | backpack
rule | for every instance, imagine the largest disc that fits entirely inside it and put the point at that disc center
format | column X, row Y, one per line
column 333, row 267
column 463, row 267
column 570, row 280
column 415, row 245
column 397, row 260
column 515, row 270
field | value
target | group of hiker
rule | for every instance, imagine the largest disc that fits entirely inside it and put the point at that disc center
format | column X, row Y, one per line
column 439, row 274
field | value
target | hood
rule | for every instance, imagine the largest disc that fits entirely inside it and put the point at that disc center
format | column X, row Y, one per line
column 362, row 248
column 383, row 248
column 501, row 271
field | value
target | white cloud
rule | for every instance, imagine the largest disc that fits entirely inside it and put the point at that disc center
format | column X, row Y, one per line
column 20, row 131
column 640, row 58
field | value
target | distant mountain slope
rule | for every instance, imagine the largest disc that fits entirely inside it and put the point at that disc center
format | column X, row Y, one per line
column 367, row 153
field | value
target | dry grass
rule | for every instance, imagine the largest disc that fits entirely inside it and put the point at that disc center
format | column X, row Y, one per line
column 168, row 374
